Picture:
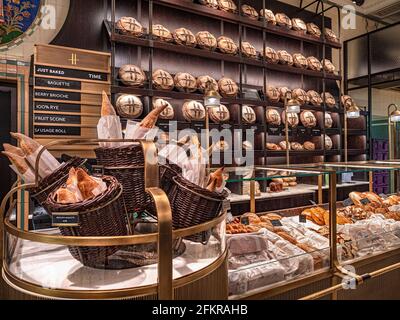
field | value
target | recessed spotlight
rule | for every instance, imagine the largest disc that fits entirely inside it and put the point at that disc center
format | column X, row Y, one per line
column 358, row 2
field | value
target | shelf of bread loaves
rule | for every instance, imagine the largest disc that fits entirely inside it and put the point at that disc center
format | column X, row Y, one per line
column 206, row 45
column 278, row 24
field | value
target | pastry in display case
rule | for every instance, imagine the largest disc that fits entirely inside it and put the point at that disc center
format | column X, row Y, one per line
column 129, row 106
column 270, row 55
column 248, row 50
column 206, row 82
column 132, row 75
column 249, row 12
column 185, row 37
column 185, row 82
column 206, row 40
column 130, row 26
column 228, row 87
column 162, row 33
column 283, row 20
column 162, row 80
column 268, row 15
column 227, row 45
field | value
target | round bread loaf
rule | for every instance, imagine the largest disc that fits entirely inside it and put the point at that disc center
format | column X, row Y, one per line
column 249, row 12
column 162, row 80
column 272, row 146
column 328, row 120
column 329, row 99
column 313, row 29
column 228, row 87
column 206, row 40
column 129, row 106
column 206, row 82
column 330, row 35
column 273, row 117
column 268, row 15
column 328, row 65
column 248, row 115
column 193, row 111
column 308, row 145
column 162, row 33
column 247, row 145
column 227, row 45
column 282, row 144
column 272, row 94
column 347, row 101
column 300, row 95
column 271, row 56
column 285, row 92
column 185, row 37
column 219, row 114
column 210, row 3
column 168, row 113
column 292, row 117
column 227, row 6
column 308, row 119
column 129, row 25
column 132, row 75
column 297, row 147
column 314, row 98
column 314, row 64
column 185, row 82
column 299, row 25
column 300, row 61
column 285, row 57
column 283, row 20
column 328, row 143
column 248, row 50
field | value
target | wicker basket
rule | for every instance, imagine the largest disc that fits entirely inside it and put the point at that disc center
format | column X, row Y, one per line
column 126, row 163
column 167, row 172
column 53, row 181
column 192, row 205
column 103, row 215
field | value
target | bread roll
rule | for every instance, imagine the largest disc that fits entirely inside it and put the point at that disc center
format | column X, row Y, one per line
column 299, row 25
column 162, row 33
column 129, row 25
column 283, row 20
column 228, row 87
column 162, row 80
column 168, row 111
column 273, row 117
column 270, row 55
column 272, row 94
column 227, row 45
column 308, row 119
column 300, row 61
column 206, row 40
column 313, row 29
column 185, row 37
column 293, row 119
column 206, row 82
column 268, row 15
column 248, row 50
column 249, row 12
column 185, row 82
column 132, row 75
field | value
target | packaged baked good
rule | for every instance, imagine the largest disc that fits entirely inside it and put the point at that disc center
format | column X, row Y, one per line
column 329, row 99
column 227, row 6
column 283, row 20
column 245, row 244
column 193, row 111
column 314, row 64
column 328, row 65
column 308, row 119
column 168, row 111
column 228, row 87
column 248, row 115
column 270, row 55
column 210, row 3
column 248, row 50
column 308, row 145
column 162, row 33
column 206, row 40
column 328, row 143
column 300, row 95
column 227, row 45
column 285, row 57
column 185, row 82
column 330, row 35
column 132, row 75
column 328, row 120
column 243, row 260
column 268, row 15
column 219, row 114
column 299, row 25
column 129, row 25
column 183, row 36
column 129, row 106
column 205, row 83
column 293, row 119
column 249, row 12
column 272, row 116
column 285, row 92
column 272, row 94
column 300, row 61
column 270, row 217
column 162, row 80
column 314, row 97
column 313, row 29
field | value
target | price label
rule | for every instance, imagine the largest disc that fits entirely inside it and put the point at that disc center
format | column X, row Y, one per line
column 276, row 223
column 364, row 201
column 348, row 202
column 97, row 171
column 245, row 221
column 315, row 132
column 226, row 205
column 274, row 130
column 302, row 218
column 301, row 130
column 65, row 219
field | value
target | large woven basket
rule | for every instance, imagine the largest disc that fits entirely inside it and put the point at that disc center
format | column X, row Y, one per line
column 126, row 163
column 167, row 172
column 192, row 205
column 103, row 215
column 53, row 181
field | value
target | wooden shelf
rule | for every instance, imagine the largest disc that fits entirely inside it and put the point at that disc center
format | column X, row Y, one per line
column 198, row 9
column 356, row 132
column 295, row 153
column 143, row 42
column 332, row 152
column 355, row 152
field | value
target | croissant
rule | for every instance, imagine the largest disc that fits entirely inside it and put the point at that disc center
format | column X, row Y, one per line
column 216, row 179
column 28, row 145
column 18, row 161
column 12, row 149
column 86, row 183
column 72, row 177
column 106, row 107
column 65, row 196
column 150, row 120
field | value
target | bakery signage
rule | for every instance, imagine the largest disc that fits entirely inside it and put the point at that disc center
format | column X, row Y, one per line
column 71, row 73
column 56, row 131
column 65, row 219
column 57, row 95
column 58, row 83
column 56, row 107
column 57, row 118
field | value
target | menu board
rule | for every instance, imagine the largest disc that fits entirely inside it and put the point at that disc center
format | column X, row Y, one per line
column 68, row 84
